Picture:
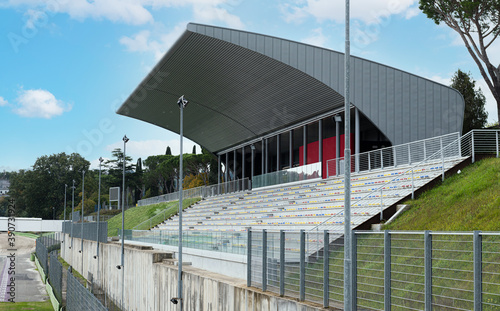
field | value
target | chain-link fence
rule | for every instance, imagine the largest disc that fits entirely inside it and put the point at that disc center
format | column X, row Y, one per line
column 391, row 270
column 42, row 254
column 80, row 298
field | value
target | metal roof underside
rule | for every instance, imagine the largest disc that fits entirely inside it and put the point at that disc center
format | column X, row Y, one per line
column 241, row 86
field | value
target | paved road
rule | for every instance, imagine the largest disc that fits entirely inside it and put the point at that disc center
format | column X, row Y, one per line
column 28, row 285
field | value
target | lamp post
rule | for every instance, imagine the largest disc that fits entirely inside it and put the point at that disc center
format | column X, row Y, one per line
column 182, row 104
column 98, row 211
column 64, row 221
column 347, row 170
column 72, row 210
column 125, row 140
column 83, row 205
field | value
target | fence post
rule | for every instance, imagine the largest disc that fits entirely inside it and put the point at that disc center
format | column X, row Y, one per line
column 473, row 153
column 326, row 268
column 496, row 140
column 442, row 158
column 302, row 287
column 249, row 258
column 381, row 204
column 354, row 269
column 409, row 154
column 412, row 185
column 428, row 270
column 282, row 263
column 264, row 260
column 387, row 271
column 369, row 162
column 478, row 288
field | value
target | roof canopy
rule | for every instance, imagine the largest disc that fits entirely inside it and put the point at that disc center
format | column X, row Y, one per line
column 242, row 85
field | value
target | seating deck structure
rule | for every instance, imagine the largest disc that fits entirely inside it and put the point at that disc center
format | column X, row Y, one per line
column 308, row 204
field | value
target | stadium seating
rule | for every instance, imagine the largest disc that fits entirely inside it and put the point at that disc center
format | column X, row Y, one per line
column 307, row 204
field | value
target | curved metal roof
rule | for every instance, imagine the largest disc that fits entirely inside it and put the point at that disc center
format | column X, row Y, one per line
column 242, row 85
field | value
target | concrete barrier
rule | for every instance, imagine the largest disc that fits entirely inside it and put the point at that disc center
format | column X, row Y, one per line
column 151, row 281
column 32, row 224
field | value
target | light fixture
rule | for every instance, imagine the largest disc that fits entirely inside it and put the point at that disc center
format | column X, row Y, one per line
column 182, row 102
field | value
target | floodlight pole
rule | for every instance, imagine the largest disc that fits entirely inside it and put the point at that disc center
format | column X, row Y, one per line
column 98, row 210
column 347, row 170
column 125, row 140
column 64, row 222
column 83, row 205
column 72, row 210
column 182, row 104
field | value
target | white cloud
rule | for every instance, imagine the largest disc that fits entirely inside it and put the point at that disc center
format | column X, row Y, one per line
column 3, row 102
column 317, row 38
column 39, row 104
column 94, row 164
column 439, row 79
column 143, row 42
column 367, row 11
column 135, row 12
column 145, row 148
column 412, row 12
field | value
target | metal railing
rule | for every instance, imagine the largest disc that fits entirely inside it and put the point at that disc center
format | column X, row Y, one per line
column 219, row 241
column 405, row 154
column 399, row 270
column 304, row 172
column 201, row 192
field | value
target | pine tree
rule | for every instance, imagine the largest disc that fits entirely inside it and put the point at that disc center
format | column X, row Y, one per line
column 168, row 152
column 475, row 116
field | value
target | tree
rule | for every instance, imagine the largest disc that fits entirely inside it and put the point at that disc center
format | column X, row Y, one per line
column 475, row 116
column 36, row 191
column 168, row 152
column 194, row 149
column 478, row 24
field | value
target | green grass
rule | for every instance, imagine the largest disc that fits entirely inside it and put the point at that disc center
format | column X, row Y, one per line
column 138, row 214
column 463, row 202
column 18, row 306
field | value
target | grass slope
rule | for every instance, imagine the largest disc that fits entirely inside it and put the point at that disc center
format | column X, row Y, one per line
column 138, row 214
column 464, row 202
column 38, row 306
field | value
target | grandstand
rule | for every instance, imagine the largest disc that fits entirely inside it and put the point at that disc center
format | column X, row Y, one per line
column 310, row 204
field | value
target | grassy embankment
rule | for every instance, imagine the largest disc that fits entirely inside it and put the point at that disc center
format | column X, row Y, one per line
column 139, row 214
column 464, row 202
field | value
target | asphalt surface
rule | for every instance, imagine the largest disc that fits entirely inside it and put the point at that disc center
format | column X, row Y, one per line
column 27, row 284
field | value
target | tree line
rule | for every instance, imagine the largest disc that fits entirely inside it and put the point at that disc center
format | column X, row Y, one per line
column 39, row 191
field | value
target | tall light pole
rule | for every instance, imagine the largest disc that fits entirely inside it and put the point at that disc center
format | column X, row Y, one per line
column 72, row 210
column 83, row 205
column 125, row 140
column 98, row 210
column 347, row 168
column 64, row 221
column 182, row 104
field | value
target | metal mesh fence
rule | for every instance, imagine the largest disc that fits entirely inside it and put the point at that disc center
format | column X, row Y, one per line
column 391, row 270
column 55, row 275
column 79, row 298
column 89, row 230
column 42, row 254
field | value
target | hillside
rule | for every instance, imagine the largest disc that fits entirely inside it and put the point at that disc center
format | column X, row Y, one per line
column 138, row 214
column 463, row 202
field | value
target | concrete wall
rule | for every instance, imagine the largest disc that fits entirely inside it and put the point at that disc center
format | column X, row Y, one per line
column 150, row 283
column 32, row 225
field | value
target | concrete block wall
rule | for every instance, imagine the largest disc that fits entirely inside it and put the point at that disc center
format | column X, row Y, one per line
column 151, row 283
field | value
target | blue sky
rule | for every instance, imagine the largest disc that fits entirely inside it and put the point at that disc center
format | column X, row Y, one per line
column 67, row 65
